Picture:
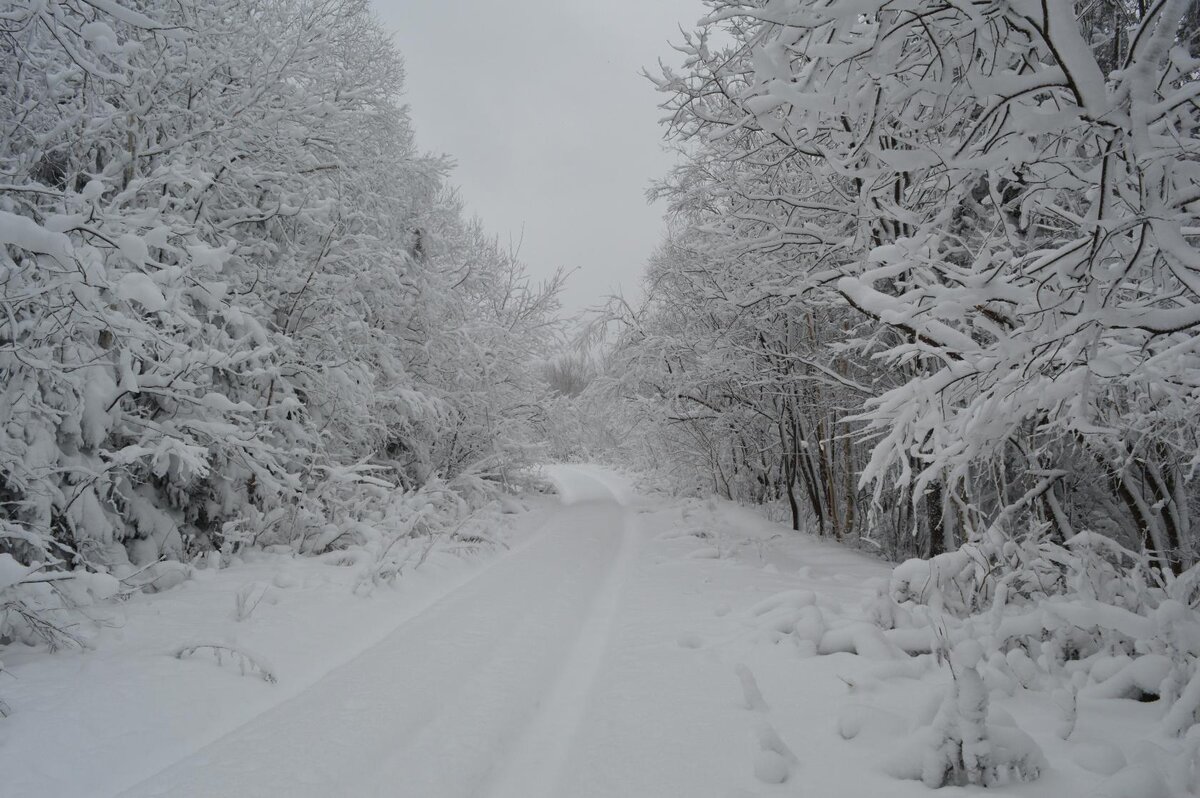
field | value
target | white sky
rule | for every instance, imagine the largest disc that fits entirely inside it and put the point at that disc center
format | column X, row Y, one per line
column 554, row 131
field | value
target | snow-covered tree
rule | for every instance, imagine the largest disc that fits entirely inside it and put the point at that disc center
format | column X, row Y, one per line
column 231, row 284
column 1006, row 191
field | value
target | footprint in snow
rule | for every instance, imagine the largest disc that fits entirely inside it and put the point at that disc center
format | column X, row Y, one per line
column 750, row 692
column 774, row 761
column 770, row 767
column 690, row 641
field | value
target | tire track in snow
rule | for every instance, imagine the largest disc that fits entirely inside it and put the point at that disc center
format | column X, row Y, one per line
column 539, row 762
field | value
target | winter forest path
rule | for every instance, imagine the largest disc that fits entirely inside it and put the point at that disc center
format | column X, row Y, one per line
column 613, row 653
column 626, row 646
column 501, row 666
column 521, row 682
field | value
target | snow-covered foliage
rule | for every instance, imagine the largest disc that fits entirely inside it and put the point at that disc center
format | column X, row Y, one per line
column 238, row 304
column 931, row 280
column 932, row 269
column 739, row 392
column 1059, row 615
column 1084, row 619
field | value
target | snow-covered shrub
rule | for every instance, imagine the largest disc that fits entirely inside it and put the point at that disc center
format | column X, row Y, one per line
column 40, row 603
column 967, row 749
column 1085, row 617
column 964, row 744
column 997, row 571
column 949, row 581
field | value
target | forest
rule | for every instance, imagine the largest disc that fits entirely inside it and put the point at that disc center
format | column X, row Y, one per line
column 935, row 283
column 929, row 287
column 241, row 309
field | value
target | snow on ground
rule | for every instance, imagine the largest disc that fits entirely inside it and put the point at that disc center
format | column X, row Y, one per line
column 646, row 647
column 92, row 723
column 582, row 482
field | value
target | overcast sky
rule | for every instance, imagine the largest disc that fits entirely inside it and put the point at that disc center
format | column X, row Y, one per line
column 555, row 133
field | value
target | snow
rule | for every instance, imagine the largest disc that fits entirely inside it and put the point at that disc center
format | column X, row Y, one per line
column 592, row 656
column 100, row 36
column 582, row 482
column 770, row 767
column 12, row 572
column 25, row 233
column 133, row 248
column 1103, row 758
column 124, row 13
column 138, row 287
column 92, row 190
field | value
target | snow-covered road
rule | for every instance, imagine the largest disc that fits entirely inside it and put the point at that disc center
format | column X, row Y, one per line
column 566, row 667
column 480, row 694
column 591, row 660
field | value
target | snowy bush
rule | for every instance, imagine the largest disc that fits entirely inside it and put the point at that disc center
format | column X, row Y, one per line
column 1083, row 618
column 962, row 747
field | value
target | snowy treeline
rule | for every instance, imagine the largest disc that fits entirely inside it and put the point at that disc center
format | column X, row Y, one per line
column 238, row 304
column 932, row 282
column 932, row 269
